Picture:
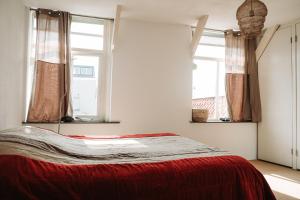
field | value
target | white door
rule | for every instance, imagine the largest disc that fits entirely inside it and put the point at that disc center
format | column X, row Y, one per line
column 275, row 132
column 298, row 93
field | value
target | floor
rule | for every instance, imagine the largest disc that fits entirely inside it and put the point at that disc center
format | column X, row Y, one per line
column 284, row 181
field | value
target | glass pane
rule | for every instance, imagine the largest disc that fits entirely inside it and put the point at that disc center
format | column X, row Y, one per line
column 221, row 79
column 79, row 27
column 31, row 60
column 210, row 72
column 212, row 40
column 222, row 101
column 85, row 85
column 86, row 42
column 210, row 51
column 204, row 85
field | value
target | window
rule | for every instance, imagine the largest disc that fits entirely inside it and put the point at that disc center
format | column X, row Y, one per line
column 90, row 59
column 209, row 76
column 90, row 49
column 83, row 71
column 87, row 44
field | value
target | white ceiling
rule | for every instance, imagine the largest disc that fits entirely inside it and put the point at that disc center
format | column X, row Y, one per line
column 221, row 12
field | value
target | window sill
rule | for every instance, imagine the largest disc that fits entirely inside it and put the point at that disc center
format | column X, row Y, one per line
column 74, row 122
column 220, row 122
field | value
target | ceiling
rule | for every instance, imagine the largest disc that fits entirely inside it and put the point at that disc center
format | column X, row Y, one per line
column 221, row 12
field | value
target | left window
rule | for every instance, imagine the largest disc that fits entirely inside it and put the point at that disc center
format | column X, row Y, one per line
column 90, row 59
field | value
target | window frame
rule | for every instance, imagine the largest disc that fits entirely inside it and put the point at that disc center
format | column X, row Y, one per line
column 102, row 92
column 218, row 62
column 104, row 72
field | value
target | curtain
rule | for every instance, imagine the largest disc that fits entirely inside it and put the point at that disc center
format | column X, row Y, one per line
column 50, row 97
column 252, row 70
column 242, row 86
column 236, row 77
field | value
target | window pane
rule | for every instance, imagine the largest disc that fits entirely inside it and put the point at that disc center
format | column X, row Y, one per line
column 86, row 42
column 209, row 76
column 222, row 101
column 31, row 60
column 83, row 71
column 79, row 27
column 212, row 40
column 204, row 85
column 221, row 79
column 85, row 85
column 210, row 51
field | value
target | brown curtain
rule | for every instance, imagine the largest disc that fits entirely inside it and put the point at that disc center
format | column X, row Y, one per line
column 252, row 70
column 51, row 87
column 242, row 87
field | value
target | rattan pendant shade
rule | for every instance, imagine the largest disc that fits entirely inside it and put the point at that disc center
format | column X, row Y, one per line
column 251, row 16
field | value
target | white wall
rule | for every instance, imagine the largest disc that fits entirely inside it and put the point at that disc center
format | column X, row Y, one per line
column 152, row 77
column 152, row 90
column 12, row 38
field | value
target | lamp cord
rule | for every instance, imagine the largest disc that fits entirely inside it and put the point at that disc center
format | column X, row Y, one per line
column 61, row 101
column 251, row 13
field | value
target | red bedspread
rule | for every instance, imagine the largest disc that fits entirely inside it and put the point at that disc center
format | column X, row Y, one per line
column 221, row 177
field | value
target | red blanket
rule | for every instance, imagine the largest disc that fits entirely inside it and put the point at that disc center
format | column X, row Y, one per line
column 221, row 177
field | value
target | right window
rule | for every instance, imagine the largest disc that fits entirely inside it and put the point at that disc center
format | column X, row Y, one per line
column 89, row 46
column 209, row 76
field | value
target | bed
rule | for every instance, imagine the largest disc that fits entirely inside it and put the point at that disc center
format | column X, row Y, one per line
column 41, row 164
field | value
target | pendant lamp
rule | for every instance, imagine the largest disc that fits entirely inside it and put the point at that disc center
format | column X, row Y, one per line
column 251, row 16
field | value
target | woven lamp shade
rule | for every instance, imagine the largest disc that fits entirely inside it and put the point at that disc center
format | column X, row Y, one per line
column 251, row 16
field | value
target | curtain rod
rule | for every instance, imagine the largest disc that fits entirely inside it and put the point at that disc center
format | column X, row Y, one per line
column 77, row 15
column 217, row 30
column 210, row 29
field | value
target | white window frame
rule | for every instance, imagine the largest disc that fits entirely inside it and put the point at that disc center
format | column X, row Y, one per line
column 218, row 61
column 104, row 77
column 105, row 66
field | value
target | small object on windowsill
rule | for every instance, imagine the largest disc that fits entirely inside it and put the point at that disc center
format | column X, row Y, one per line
column 225, row 119
column 67, row 119
column 85, row 119
column 199, row 115
column 210, row 121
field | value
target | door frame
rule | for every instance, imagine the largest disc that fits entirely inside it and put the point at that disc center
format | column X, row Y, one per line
column 296, row 59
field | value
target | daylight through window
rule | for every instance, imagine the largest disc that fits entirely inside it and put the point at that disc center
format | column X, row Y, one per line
column 90, row 50
column 209, row 76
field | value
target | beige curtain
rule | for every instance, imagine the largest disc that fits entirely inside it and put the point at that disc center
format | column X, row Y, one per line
column 242, row 87
column 236, row 77
column 51, row 88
